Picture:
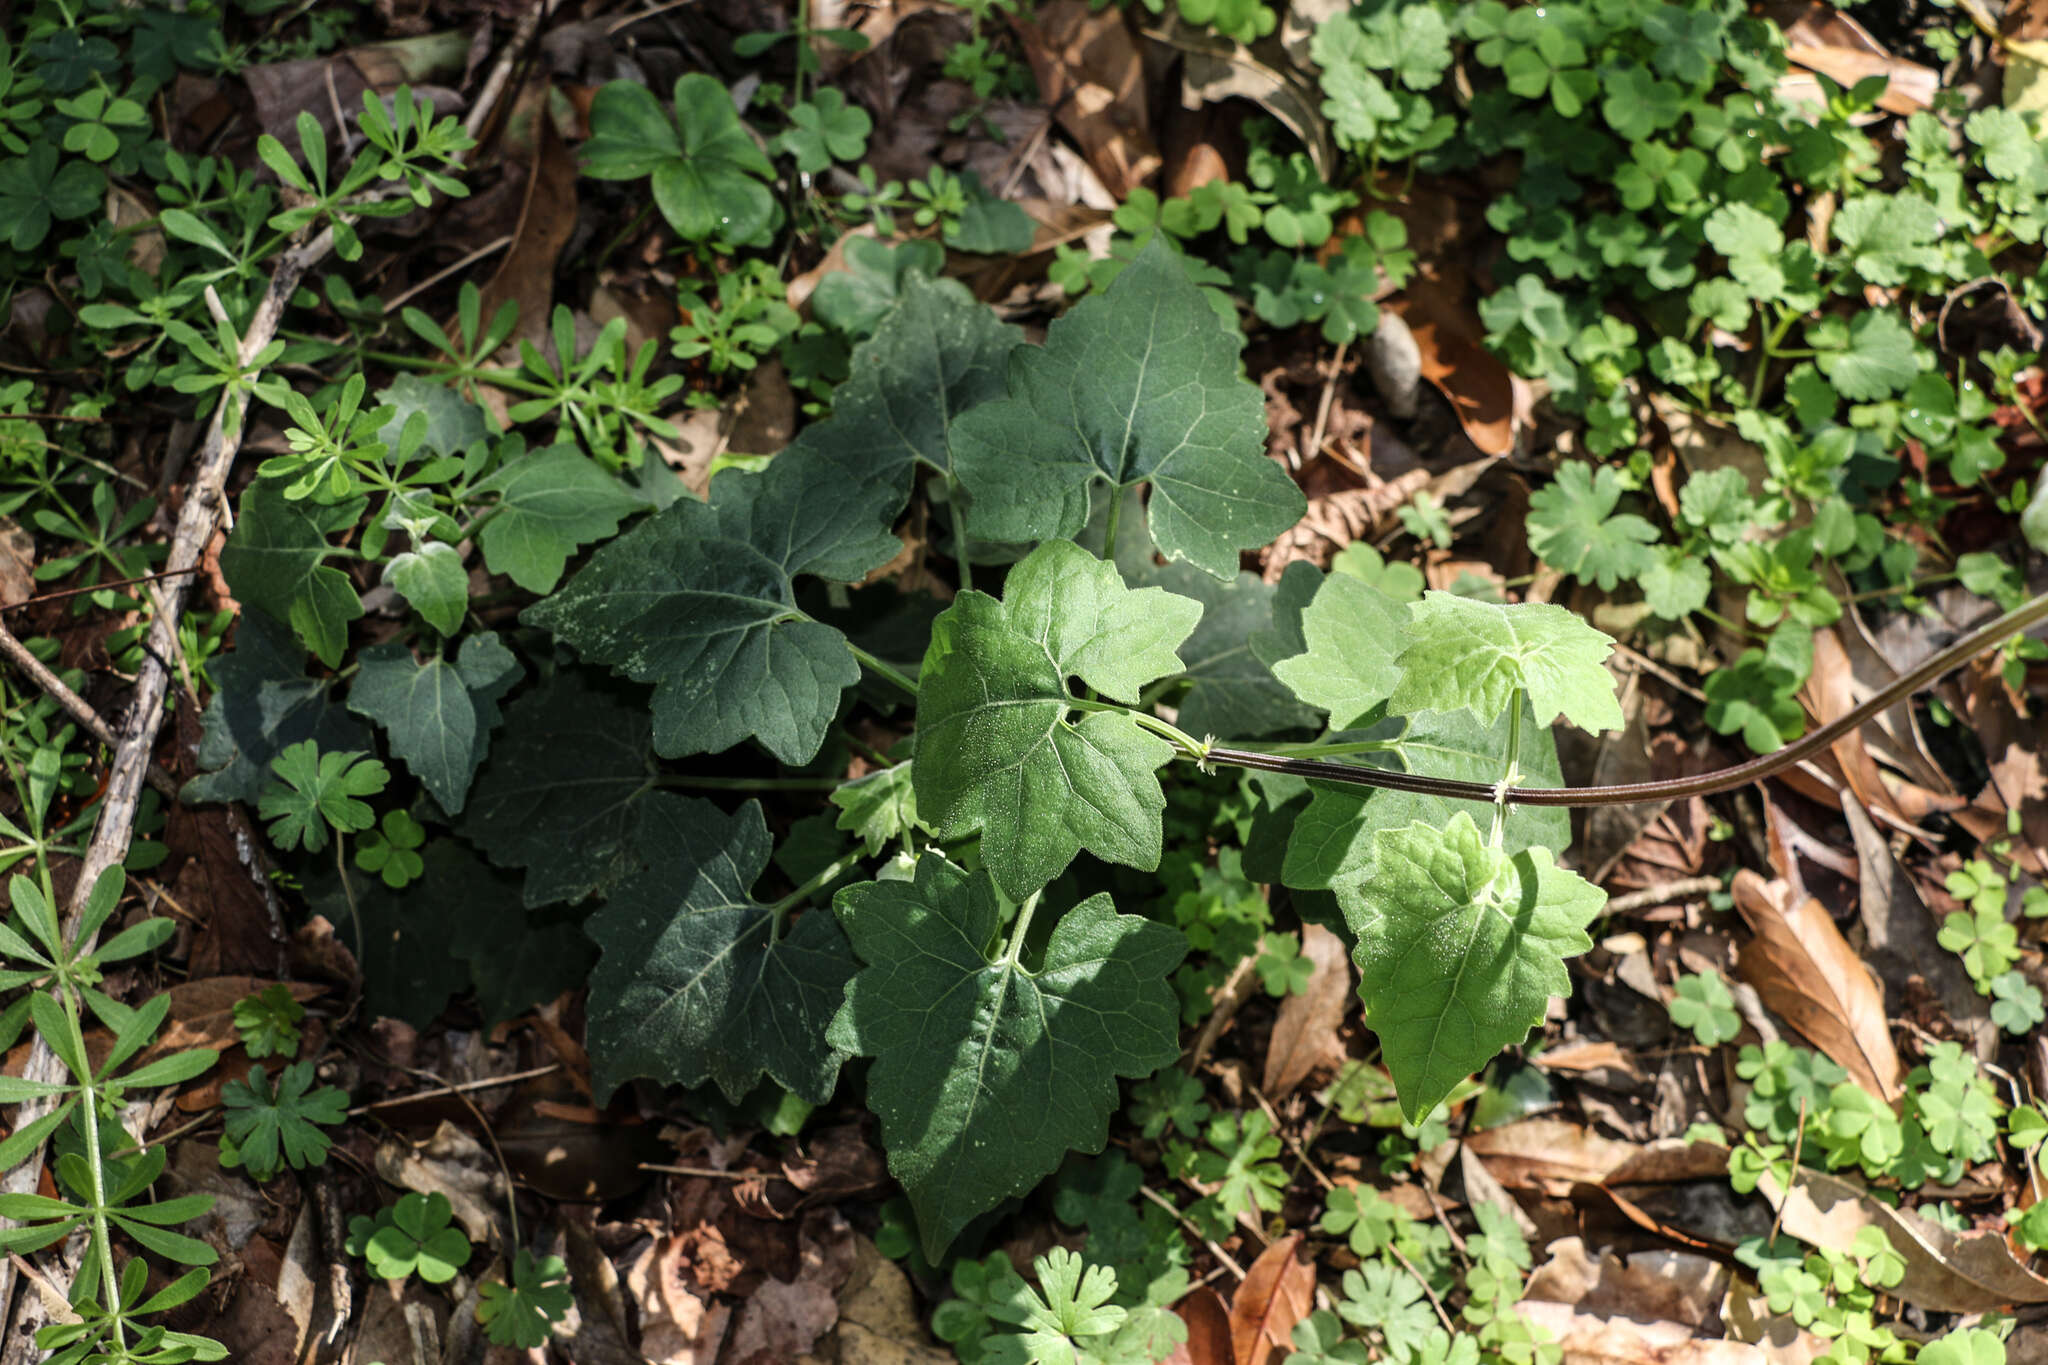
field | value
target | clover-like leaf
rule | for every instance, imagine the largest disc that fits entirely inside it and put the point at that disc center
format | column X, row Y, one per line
column 708, row 173
column 438, row 715
column 1460, row 948
column 996, row 751
column 414, row 1236
column 698, row 980
column 38, row 187
column 1138, row 384
column 1573, row 527
column 315, row 791
column 825, row 129
column 268, row 1128
column 1478, row 654
column 1871, row 358
column 1031, row 1053
column 524, row 1313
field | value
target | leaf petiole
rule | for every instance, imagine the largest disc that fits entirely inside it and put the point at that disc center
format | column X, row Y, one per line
column 887, row 671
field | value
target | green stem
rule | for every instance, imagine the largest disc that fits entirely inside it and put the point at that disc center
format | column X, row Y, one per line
column 1189, row 746
column 748, row 784
column 884, row 670
column 832, row 872
column 1116, row 508
column 1014, row 953
column 962, row 560
column 89, row 1096
column 348, row 891
column 1770, row 349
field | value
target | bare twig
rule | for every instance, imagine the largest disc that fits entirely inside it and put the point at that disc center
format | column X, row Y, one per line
column 1315, row 443
column 1223, row 1258
column 74, row 705
column 1664, row 893
column 485, row 1083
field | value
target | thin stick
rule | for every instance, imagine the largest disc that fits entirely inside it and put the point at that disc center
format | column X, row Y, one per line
column 487, row 1083
column 1223, row 1258
column 63, row 593
column 705, row 1171
column 399, row 300
column 1685, row 888
column 1315, row 444
column 75, row 706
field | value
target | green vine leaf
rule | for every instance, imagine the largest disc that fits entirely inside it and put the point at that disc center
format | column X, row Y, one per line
column 550, row 504
column 438, row 715
column 1331, row 841
column 700, row 600
column 432, row 580
column 275, row 561
column 1462, row 653
column 1031, row 1054
column 700, row 981
column 996, row 753
column 1139, row 384
column 1352, row 633
column 1460, row 948
column 563, row 792
column 263, row 703
column 1232, row 693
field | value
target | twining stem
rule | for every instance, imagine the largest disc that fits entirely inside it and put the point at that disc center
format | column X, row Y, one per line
column 1511, row 768
column 883, row 669
column 1984, row 637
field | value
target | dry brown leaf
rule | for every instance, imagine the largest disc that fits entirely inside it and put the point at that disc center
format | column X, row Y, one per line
column 17, row 563
column 1305, row 1038
column 1821, row 38
column 786, row 1317
column 1600, row 1056
column 1900, row 939
column 1208, row 1323
column 1091, row 75
column 1587, row 1339
column 1471, row 378
column 1809, row 975
column 547, row 216
column 1677, row 1286
column 1278, row 1291
column 1214, row 69
column 879, row 1322
column 1946, row 1272
column 1548, row 1154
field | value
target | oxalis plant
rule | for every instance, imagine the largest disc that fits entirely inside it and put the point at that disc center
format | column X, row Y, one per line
column 1095, row 493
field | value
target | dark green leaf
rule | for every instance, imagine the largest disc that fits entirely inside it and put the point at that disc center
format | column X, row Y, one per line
column 438, row 715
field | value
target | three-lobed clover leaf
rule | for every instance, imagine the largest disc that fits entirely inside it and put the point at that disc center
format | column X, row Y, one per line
column 270, row 1127
column 1032, row 1052
column 1573, row 527
column 38, row 187
column 1460, row 947
column 1478, row 655
column 709, row 176
column 314, row 792
column 524, row 1312
column 1139, row 384
column 1702, row 1003
column 825, row 129
column 997, row 753
column 414, row 1236
column 699, row 981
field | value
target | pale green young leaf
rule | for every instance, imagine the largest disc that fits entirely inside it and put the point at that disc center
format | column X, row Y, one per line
column 1033, row 1055
column 698, row 980
column 431, row 578
column 879, row 808
column 1139, row 384
column 1573, row 527
column 1353, row 633
column 550, row 504
column 1460, row 948
column 439, row 714
column 996, row 751
column 564, row 790
column 1462, row 653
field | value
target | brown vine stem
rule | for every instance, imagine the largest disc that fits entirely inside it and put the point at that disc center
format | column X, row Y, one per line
column 1984, row 637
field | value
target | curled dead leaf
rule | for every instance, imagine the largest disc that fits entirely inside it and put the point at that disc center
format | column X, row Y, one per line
column 1808, row 974
column 1278, row 1291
